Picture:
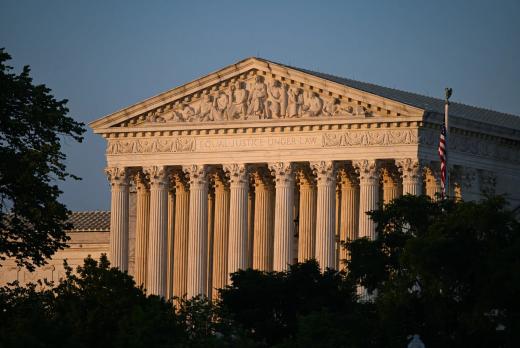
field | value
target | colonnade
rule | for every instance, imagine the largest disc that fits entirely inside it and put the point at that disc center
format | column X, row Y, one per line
column 197, row 224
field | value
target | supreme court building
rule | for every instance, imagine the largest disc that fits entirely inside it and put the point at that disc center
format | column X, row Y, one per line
column 262, row 165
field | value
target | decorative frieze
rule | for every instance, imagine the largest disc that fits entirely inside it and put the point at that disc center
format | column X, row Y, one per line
column 370, row 138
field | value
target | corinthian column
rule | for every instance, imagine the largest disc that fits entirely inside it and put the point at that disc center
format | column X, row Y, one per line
column 211, row 227
column 118, row 178
column 239, row 187
column 368, row 195
column 263, row 224
column 250, row 225
column 391, row 186
column 307, row 223
column 412, row 176
column 325, row 214
column 433, row 184
column 283, row 220
column 221, row 233
column 349, row 208
column 142, row 225
column 171, row 241
column 158, row 230
column 180, row 243
column 198, row 230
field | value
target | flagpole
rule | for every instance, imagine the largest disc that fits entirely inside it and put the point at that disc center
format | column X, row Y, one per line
column 448, row 92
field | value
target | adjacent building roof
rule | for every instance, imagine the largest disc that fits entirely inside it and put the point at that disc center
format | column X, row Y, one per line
column 90, row 220
column 420, row 101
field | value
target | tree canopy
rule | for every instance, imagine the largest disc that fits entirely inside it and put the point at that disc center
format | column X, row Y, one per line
column 32, row 123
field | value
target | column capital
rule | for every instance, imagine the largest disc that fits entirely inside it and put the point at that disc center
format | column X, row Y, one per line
column 305, row 177
column 157, row 175
column 261, row 178
column 237, row 173
column 324, row 171
column 197, row 174
column 410, row 168
column 141, row 181
column 219, row 180
column 282, row 171
column 347, row 177
column 117, row 175
column 389, row 177
column 368, row 170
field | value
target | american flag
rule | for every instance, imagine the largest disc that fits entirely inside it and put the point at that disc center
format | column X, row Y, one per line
column 442, row 155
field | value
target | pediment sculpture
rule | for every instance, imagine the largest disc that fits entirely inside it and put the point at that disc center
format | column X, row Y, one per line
column 256, row 99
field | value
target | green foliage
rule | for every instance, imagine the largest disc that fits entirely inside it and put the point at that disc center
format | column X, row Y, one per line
column 268, row 305
column 97, row 307
column 31, row 161
column 448, row 271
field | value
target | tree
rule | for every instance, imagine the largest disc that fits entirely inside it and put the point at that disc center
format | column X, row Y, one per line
column 445, row 270
column 98, row 306
column 32, row 121
column 269, row 305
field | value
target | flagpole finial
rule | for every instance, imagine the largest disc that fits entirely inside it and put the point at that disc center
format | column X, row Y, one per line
column 448, row 91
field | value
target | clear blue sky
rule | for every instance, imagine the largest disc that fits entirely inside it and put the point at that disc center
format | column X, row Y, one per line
column 105, row 55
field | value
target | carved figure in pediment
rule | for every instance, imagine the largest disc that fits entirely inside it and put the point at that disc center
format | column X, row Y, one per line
column 362, row 111
column 276, row 96
column 332, row 108
column 238, row 97
column 205, row 108
column 188, row 113
column 314, row 106
column 295, row 102
column 220, row 106
column 258, row 98
column 156, row 116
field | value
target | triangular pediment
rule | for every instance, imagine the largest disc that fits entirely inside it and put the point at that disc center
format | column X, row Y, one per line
column 254, row 90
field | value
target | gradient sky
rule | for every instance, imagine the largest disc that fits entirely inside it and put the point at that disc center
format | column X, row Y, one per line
column 106, row 55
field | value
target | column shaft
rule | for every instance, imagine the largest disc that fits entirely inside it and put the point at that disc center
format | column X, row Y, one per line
column 180, row 252
column 284, row 224
column 238, row 227
column 198, row 231
column 158, row 231
column 368, row 196
column 350, row 209
column 170, row 256
column 142, row 225
column 211, row 228
column 325, row 214
column 220, row 239
column 263, row 224
column 307, row 223
column 250, row 226
column 119, row 217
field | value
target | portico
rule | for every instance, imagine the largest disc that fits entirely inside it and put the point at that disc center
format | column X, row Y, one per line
column 259, row 164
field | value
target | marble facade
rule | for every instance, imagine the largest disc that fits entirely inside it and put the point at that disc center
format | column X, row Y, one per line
column 262, row 165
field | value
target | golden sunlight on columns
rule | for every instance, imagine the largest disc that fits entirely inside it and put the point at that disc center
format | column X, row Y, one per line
column 263, row 222
column 239, row 187
column 411, row 173
column 180, row 243
column 391, row 186
column 433, row 184
column 158, row 231
column 283, row 220
column 368, row 171
column 118, row 178
column 198, row 230
column 250, row 224
column 221, row 232
column 307, row 223
column 211, row 228
column 325, row 213
column 350, row 208
column 142, row 224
